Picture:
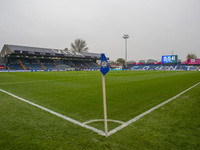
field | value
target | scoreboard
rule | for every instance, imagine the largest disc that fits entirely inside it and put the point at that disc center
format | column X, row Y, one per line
column 169, row 59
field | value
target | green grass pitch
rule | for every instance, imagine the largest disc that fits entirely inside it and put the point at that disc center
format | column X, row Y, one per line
column 78, row 95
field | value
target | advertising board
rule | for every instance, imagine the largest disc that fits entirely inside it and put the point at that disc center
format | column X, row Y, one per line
column 193, row 61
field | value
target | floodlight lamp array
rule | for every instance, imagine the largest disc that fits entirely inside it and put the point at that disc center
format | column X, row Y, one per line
column 125, row 36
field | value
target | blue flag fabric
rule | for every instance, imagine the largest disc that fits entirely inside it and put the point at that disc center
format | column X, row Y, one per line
column 104, row 65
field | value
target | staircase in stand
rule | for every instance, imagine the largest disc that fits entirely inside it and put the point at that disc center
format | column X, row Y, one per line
column 98, row 65
column 57, row 66
column 22, row 64
column 73, row 64
column 43, row 67
column 87, row 64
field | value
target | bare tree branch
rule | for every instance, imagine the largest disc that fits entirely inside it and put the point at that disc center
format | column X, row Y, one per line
column 79, row 45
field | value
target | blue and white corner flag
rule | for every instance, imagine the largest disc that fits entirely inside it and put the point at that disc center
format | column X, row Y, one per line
column 104, row 69
column 104, row 65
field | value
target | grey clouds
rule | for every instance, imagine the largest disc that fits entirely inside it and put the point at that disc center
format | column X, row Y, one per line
column 155, row 27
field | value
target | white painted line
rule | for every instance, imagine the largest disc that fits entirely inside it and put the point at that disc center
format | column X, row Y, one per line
column 24, row 82
column 31, row 81
column 148, row 111
column 100, row 132
column 97, row 120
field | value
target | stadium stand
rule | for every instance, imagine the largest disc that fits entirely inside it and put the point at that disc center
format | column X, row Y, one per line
column 92, row 64
column 46, row 59
column 23, row 58
column 169, row 67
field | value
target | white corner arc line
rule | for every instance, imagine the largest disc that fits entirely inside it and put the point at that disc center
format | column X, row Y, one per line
column 100, row 132
column 148, row 111
column 97, row 120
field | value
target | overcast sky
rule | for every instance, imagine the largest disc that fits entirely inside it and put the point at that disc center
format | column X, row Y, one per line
column 155, row 27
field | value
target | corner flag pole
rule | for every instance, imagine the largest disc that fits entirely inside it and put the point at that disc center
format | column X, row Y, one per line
column 104, row 70
column 104, row 105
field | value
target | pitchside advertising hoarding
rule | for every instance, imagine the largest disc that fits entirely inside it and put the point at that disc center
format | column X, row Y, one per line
column 193, row 61
column 169, row 59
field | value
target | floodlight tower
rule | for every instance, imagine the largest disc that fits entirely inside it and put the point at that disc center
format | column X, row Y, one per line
column 125, row 36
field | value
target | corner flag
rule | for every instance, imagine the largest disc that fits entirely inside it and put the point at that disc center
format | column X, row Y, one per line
column 104, row 69
column 104, row 65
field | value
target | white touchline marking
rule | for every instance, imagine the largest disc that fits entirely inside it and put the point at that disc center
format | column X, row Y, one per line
column 100, row 132
column 97, row 120
column 31, row 81
column 148, row 111
column 35, row 81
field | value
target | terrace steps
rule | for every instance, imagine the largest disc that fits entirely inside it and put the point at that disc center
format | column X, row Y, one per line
column 22, row 64
column 57, row 66
column 43, row 67
column 87, row 64
column 73, row 64
column 97, row 64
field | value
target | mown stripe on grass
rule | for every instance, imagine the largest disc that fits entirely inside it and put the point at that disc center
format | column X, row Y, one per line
column 100, row 132
column 148, row 111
